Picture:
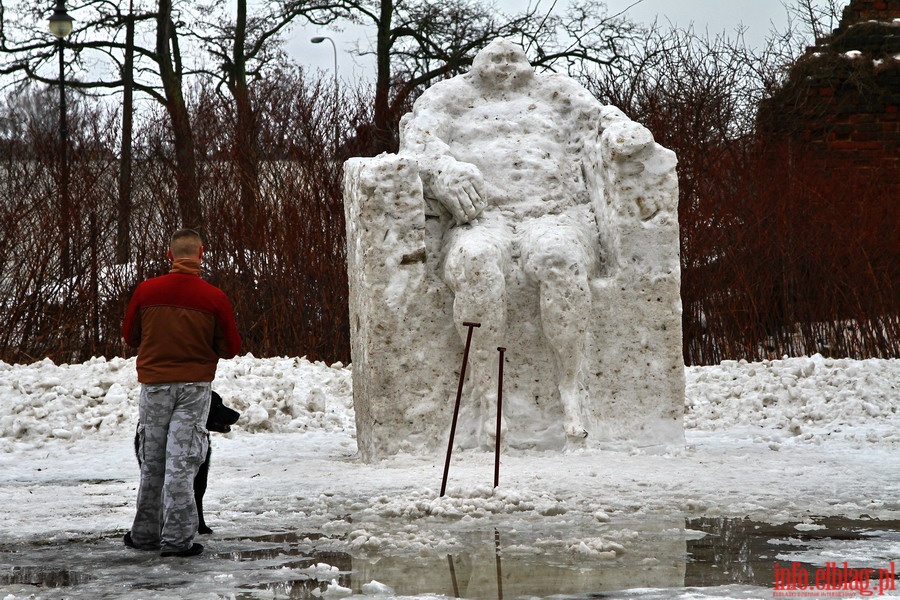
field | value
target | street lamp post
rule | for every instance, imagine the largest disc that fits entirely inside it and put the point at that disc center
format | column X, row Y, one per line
column 319, row 40
column 61, row 26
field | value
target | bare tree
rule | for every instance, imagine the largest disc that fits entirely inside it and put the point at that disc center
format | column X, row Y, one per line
column 123, row 219
column 171, row 74
column 95, row 45
column 242, row 48
column 817, row 17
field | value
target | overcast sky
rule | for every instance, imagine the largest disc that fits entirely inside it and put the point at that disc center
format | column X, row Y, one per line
column 759, row 17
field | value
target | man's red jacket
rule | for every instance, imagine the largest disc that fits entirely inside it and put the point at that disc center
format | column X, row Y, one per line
column 182, row 326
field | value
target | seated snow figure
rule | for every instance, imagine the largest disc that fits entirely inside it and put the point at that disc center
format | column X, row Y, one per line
column 520, row 202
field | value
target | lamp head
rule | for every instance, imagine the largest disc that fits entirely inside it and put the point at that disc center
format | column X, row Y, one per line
column 60, row 22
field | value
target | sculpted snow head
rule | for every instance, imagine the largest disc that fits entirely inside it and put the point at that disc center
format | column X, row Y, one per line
column 501, row 65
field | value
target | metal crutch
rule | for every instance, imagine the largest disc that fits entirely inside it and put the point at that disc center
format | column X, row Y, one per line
column 462, row 376
column 501, row 350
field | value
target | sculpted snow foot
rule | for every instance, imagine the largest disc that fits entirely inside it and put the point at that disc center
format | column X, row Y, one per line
column 573, row 399
column 574, row 431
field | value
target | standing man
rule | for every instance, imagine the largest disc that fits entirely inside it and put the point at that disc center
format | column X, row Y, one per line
column 182, row 326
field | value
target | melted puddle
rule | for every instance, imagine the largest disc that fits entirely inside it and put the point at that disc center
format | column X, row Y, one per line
column 656, row 557
column 828, row 557
column 42, row 577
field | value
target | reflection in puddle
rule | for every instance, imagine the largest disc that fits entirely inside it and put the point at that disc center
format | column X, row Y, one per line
column 308, row 588
column 666, row 554
column 43, row 577
column 514, row 564
column 294, row 552
column 732, row 551
column 289, row 546
column 497, row 561
column 741, row 551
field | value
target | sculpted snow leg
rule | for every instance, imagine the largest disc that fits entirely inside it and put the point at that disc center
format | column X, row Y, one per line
column 559, row 258
column 475, row 270
column 564, row 313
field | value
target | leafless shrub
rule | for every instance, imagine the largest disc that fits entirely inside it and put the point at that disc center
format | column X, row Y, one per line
column 287, row 282
column 781, row 255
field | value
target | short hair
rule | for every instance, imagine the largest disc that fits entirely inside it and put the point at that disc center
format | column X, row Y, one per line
column 185, row 243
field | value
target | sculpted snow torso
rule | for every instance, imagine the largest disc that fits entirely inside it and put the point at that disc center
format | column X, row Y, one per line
column 522, row 146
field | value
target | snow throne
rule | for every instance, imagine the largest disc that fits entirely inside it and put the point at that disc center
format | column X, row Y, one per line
column 519, row 202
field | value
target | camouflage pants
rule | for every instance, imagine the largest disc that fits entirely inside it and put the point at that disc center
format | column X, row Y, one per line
column 172, row 444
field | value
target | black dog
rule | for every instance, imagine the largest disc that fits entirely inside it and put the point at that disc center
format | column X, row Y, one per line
column 220, row 420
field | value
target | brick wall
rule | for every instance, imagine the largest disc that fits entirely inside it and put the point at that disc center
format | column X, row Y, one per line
column 829, row 148
column 865, row 10
column 841, row 102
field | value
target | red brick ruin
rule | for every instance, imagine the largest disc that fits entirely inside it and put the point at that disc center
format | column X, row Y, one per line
column 811, row 259
column 842, row 101
column 833, row 140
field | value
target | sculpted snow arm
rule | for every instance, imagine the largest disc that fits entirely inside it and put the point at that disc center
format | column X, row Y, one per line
column 458, row 186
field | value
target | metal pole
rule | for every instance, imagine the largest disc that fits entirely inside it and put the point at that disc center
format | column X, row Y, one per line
column 65, row 217
column 453, row 576
column 336, row 100
column 499, row 419
column 95, row 285
column 462, row 376
column 60, row 25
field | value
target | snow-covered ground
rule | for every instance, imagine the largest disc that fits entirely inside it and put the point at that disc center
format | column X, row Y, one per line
column 792, row 445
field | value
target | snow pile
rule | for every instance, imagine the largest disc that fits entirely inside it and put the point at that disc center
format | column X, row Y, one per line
column 43, row 401
column 287, row 483
column 807, row 397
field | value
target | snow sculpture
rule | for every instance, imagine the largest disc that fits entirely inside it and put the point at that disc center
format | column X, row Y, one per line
column 520, row 202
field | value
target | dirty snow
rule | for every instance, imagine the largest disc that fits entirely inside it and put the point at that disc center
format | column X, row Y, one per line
column 784, row 441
